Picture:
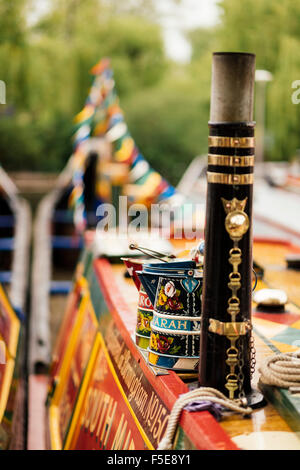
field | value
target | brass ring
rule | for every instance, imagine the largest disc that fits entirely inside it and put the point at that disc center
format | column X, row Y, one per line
column 234, row 142
column 231, row 160
column 228, row 178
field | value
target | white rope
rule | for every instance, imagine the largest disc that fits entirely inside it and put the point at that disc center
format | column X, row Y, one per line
column 281, row 370
column 199, row 394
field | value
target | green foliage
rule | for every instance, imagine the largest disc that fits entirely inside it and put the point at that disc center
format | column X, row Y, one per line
column 284, row 116
column 137, row 52
column 203, row 42
column 45, row 66
column 169, row 123
column 270, row 29
column 26, row 144
column 46, row 70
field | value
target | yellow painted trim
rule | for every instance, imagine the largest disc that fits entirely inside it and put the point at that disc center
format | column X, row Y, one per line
column 4, row 393
column 82, row 285
column 99, row 341
column 10, row 350
column 82, row 393
column 61, row 380
column 15, row 331
column 68, row 356
column 85, row 306
column 55, row 440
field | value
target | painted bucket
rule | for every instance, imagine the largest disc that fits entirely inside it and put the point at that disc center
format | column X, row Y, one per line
column 145, row 308
column 175, row 291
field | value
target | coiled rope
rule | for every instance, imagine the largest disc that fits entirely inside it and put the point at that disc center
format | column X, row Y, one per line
column 281, row 370
column 199, row 394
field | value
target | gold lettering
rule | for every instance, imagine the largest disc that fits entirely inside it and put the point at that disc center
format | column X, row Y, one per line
column 157, row 430
column 163, row 427
column 153, row 411
column 154, row 415
column 105, row 400
column 182, row 325
column 88, row 404
column 148, row 409
column 156, row 419
column 97, row 398
column 120, row 434
column 132, row 446
column 93, row 405
column 127, row 440
column 108, row 422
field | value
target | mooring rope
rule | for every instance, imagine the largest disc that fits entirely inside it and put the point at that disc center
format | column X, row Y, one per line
column 281, row 370
column 199, row 394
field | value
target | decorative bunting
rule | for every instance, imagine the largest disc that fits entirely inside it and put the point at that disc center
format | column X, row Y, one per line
column 103, row 116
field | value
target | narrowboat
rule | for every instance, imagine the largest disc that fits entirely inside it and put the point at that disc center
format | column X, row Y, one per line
column 15, row 231
column 161, row 343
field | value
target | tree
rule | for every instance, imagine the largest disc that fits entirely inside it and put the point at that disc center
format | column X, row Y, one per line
column 45, row 64
column 271, row 30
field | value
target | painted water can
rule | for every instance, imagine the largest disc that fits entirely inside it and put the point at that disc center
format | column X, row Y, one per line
column 145, row 307
column 175, row 291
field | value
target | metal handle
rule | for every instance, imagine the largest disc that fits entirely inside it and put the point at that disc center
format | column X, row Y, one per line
column 255, row 284
column 149, row 252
